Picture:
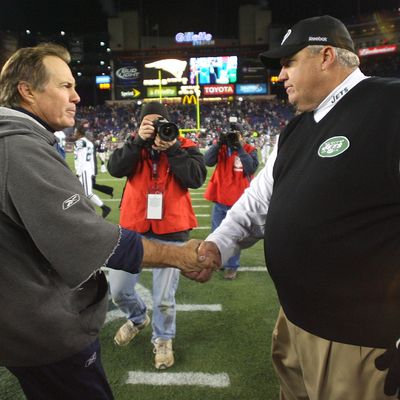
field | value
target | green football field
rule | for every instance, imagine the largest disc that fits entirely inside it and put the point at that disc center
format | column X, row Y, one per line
column 222, row 346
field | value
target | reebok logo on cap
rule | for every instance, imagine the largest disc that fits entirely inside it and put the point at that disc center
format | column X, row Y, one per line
column 324, row 30
column 317, row 39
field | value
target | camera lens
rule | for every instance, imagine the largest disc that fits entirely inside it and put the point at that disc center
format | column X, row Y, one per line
column 167, row 131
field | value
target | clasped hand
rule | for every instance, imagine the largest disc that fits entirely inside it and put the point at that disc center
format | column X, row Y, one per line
column 147, row 133
column 207, row 257
column 162, row 145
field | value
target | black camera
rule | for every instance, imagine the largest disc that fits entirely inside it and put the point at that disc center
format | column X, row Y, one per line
column 232, row 136
column 228, row 137
column 166, row 130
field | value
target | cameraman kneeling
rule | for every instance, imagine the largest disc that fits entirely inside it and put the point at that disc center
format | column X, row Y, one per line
column 160, row 167
column 236, row 163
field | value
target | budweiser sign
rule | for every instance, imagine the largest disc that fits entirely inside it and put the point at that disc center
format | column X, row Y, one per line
column 371, row 51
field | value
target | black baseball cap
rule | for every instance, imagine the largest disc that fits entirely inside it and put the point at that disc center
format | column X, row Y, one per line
column 323, row 30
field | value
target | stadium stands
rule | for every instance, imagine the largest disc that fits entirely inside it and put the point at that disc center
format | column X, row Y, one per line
column 257, row 118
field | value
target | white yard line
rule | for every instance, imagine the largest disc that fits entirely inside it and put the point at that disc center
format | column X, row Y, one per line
column 145, row 294
column 199, row 307
column 194, row 205
column 178, row 379
column 255, row 268
column 107, row 200
column 109, row 179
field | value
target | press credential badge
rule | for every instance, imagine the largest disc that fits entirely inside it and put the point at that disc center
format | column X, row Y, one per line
column 154, row 205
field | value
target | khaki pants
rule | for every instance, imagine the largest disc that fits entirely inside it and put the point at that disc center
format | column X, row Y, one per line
column 311, row 368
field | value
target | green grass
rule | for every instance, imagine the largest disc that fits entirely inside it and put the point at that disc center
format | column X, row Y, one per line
column 235, row 341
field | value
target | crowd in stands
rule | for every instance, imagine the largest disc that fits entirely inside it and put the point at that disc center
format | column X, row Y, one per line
column 257, row 117
column 387, row 65
column 260, row 118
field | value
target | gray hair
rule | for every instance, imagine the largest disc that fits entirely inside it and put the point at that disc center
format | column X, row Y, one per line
column 26, row 64
column 344, row 57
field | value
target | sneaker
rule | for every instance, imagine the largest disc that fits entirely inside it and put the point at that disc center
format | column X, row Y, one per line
column 128, row 331
column 164, row 355
column 230, row 274
column 105, row 210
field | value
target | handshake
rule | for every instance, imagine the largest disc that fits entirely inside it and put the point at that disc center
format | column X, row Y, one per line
column 196, row 259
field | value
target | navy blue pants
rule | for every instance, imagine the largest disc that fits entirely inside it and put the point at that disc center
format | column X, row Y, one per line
column 80, row 377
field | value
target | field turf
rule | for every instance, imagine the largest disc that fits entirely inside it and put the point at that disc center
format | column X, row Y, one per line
column 222, row 346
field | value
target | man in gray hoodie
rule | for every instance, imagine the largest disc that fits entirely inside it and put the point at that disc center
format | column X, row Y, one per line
column 54, row 300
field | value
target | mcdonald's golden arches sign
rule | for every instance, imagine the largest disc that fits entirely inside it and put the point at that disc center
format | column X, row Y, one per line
column 189, row 99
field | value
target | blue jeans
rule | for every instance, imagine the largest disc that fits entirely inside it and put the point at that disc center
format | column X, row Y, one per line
column 165, row 284
column 218, row 214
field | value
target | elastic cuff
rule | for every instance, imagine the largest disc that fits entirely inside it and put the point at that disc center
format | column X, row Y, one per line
column 139, row 141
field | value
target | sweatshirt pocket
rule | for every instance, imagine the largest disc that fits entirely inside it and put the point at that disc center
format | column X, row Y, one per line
column 89, row 301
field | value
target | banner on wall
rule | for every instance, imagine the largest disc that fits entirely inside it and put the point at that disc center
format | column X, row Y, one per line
column 218, row 90
column 128, row 77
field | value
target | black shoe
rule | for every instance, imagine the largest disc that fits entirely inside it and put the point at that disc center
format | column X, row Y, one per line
column 106, row 210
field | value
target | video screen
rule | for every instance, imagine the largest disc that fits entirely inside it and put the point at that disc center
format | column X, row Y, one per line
column 213, row 70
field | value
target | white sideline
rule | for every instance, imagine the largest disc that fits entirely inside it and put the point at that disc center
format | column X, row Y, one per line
column 178, row 378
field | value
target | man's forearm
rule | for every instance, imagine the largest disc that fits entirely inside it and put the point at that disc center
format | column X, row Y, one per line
column 184, row 257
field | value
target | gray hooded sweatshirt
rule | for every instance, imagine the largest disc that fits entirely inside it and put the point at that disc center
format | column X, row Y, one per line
column 53, row 294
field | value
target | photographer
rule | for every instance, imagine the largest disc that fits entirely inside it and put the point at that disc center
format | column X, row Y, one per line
column 236, row 162
column 160, row 167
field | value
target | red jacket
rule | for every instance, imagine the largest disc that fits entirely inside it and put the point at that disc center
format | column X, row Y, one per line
column 178, row 213
column 228, row 181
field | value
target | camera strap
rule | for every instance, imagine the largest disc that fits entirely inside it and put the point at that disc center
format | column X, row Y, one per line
column 155, row 158
column 155, row 195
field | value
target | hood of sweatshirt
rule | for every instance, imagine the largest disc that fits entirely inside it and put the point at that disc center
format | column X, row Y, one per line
column 13, row 122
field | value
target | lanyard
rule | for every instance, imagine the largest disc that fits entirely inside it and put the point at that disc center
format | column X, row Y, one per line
column 155, row 158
